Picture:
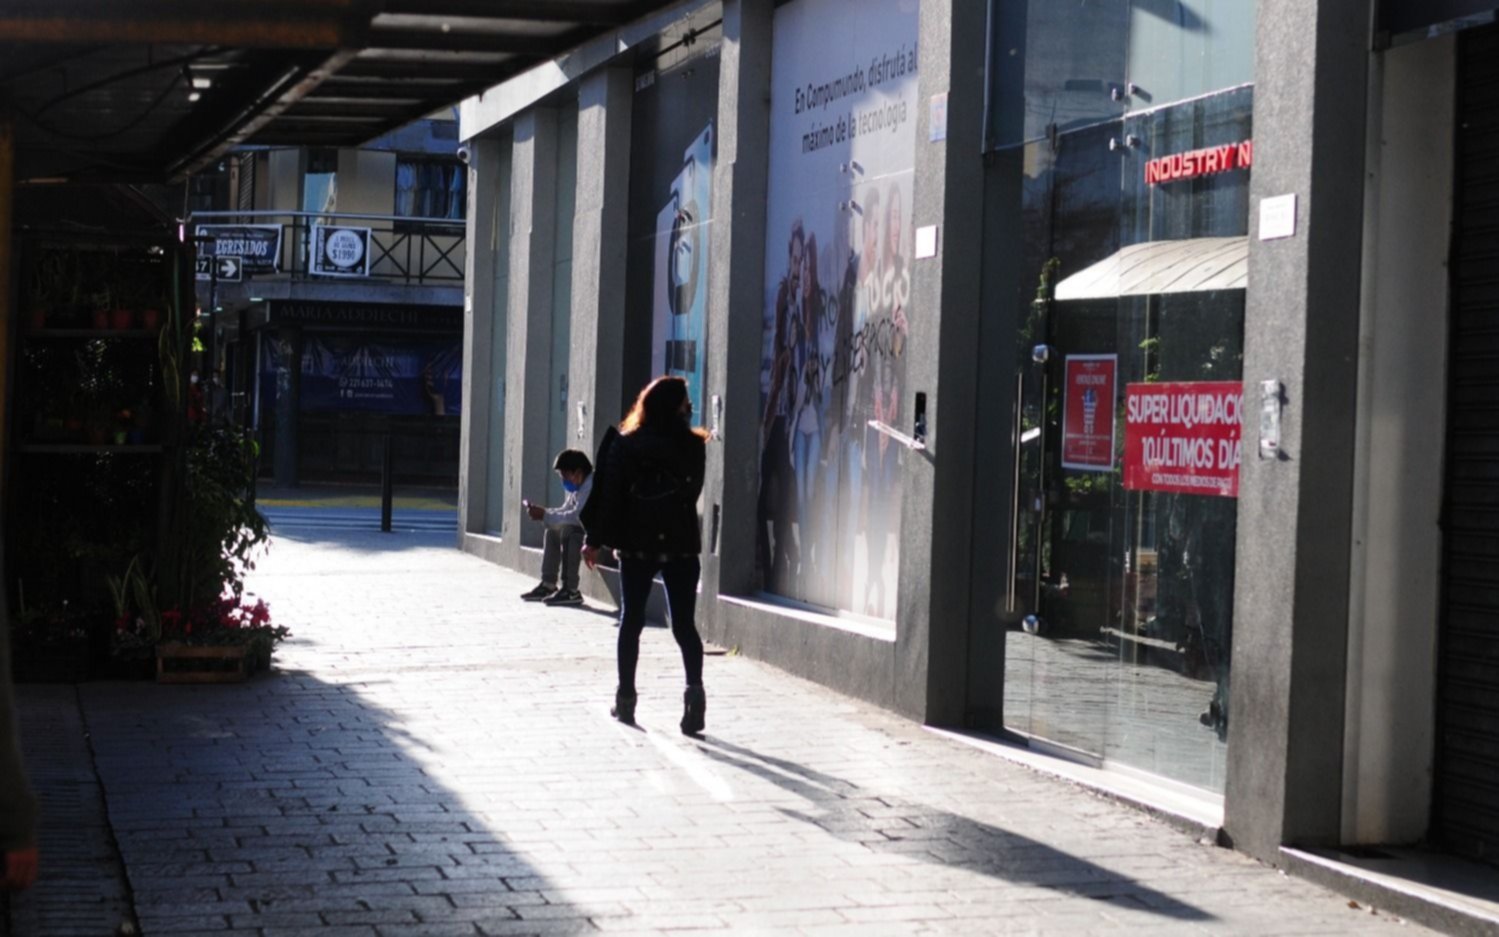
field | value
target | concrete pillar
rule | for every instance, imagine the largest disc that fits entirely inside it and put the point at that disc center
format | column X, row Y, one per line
column 288, row 403
column 1291, row 601
column 7, row 247
column 941, row 364
column 478, row 326
column 533, row 221
column 735, row 296
column 600, row 248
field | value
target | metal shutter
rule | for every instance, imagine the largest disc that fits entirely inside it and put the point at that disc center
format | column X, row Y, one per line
column 1466, row 809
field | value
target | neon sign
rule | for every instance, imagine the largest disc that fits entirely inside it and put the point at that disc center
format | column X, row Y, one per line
column 1205, row 162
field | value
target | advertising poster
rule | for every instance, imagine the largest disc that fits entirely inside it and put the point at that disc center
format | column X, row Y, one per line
column 340, row 251
column 1184, row 437
column 352, row 373
column 670, row 217
column 836, row 312
column 1088, row 412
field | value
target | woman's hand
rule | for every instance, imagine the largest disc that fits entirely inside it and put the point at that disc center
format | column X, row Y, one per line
column 536, row 511
column 20, row 869
column 591, row 556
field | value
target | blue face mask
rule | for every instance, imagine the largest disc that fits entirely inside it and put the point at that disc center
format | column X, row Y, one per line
column 569, row 486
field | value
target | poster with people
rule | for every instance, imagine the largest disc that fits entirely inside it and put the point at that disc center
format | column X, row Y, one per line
column 836, row 312
column 672, row 145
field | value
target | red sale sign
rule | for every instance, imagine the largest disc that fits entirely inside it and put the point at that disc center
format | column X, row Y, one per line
column 1088, row 412
column 1184, row 437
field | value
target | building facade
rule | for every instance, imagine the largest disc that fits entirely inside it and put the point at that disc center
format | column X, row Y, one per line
column 1118, row 384
column 335, row 300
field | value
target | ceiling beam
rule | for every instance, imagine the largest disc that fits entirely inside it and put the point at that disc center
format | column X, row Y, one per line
column 457, row 41
column 423, row 73
column 294, row 85
column 283, row 24
column 545, row 11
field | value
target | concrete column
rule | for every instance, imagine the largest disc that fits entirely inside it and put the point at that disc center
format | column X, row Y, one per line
column 599, row 256
column 735, row 296
column 7, row 293
column 288, row 403
column 533, row 221
column 941, row 363
column 1291, row 601
column 478, row 326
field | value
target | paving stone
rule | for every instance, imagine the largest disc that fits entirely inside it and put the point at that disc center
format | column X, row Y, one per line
column 431, row 756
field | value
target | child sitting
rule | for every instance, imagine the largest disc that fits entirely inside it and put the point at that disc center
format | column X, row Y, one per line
column 563, row 541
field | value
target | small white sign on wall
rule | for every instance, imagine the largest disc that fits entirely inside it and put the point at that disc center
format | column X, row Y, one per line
column 1278, row 217
column 926, row 242
column 937, row 124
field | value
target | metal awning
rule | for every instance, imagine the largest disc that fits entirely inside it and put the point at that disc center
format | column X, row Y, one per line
column 151, row 90
column 1193, row 265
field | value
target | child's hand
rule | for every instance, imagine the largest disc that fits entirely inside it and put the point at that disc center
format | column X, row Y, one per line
column 591, row 556
column 536, row 511
column 19, row 870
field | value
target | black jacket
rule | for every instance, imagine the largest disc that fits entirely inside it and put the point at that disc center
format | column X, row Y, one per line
column 645, row 492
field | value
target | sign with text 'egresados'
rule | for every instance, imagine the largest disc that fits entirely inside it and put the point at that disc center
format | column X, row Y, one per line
column 1184, row 437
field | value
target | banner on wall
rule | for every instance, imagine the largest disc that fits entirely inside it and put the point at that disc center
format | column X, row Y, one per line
column 836, row 313
column 351, row 373
column 680, row 294
column 259, row 245
column 1184, row 437
column 1088, row 412
column 672, row 145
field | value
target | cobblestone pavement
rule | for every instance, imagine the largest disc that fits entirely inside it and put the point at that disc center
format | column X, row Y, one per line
column 435, row 757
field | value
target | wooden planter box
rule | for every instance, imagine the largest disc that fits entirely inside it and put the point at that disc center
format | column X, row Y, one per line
column 186, row 663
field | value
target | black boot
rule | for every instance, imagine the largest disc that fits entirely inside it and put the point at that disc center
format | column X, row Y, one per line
column 624, row 707
column 694, row 705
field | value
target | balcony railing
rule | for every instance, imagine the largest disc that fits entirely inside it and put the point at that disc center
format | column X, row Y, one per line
column 415, row 251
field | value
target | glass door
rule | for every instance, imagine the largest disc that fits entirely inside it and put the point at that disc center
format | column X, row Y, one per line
column 1128, row 438
column 1057, row 672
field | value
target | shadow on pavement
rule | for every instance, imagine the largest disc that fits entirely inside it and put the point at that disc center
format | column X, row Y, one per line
column 942, row 838
column 289, row 802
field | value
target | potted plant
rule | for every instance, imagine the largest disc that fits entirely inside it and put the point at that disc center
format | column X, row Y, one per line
column 224, row 641
column 51, row 644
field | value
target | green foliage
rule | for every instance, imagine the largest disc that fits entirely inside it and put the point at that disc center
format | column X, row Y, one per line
column 222, row 530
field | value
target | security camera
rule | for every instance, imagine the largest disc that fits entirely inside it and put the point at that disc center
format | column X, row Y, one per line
column 464, row 153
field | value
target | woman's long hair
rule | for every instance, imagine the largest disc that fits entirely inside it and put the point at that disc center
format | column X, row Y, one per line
column 659, row 408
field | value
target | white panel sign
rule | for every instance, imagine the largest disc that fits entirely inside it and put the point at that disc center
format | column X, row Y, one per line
column 338, row 251
column 1278, row 217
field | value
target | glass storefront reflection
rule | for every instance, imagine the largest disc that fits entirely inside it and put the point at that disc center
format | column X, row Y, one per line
column 1123, row 577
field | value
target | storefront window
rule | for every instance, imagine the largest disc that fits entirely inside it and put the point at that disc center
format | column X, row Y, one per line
column 837, row 310
column 1060, row 67
column 1055, row 65
column 1180, row 49
column 1134, row 258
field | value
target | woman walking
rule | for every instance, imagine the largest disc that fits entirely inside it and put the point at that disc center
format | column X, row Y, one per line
column 644, row 506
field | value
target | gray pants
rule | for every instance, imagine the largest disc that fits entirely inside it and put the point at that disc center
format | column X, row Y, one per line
column 561, row 546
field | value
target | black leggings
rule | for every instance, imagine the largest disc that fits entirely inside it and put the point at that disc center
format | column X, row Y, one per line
column 680, row 577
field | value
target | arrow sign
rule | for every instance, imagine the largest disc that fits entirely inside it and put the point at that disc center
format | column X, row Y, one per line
column 230, row 269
